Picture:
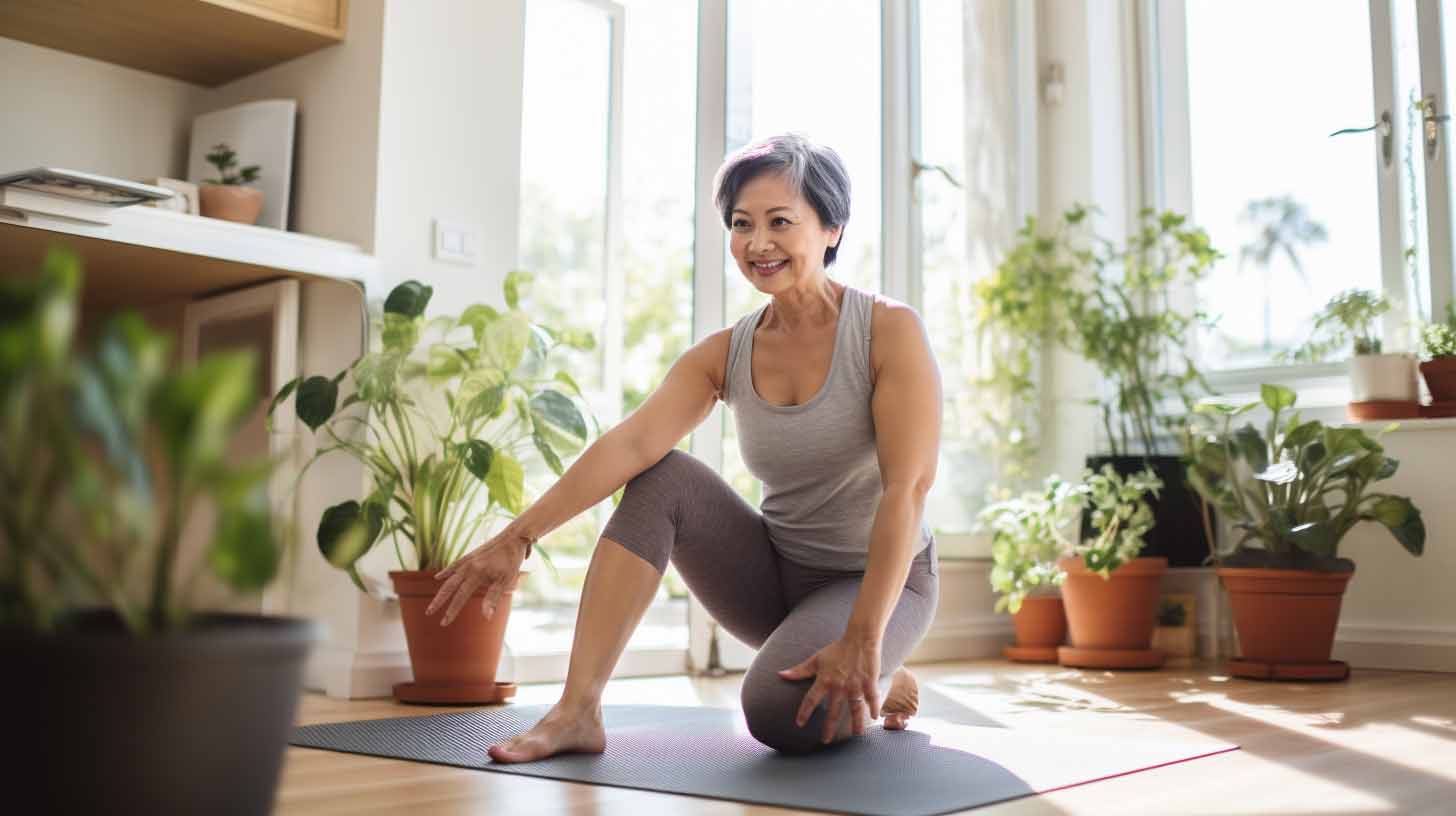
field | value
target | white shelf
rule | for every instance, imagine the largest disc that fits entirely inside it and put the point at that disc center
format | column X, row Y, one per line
column 217, row 240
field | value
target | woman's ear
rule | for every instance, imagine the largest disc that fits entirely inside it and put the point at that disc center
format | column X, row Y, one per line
column 834, row 236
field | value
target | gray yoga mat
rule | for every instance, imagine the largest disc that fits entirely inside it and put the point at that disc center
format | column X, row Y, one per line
column 706, row 752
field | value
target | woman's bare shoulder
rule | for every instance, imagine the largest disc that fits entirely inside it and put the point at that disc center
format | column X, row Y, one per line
column 710, row 356
column 894, row 328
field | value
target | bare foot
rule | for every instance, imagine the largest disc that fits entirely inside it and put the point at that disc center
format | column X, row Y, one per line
column 903, row 700
column 561, row 731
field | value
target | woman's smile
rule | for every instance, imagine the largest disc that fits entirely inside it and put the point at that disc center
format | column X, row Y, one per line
column 767, row 268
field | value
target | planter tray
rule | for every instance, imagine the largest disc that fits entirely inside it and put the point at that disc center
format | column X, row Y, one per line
column 1030, row 654
column 1256, row 670
column 1438, row 410
column 1373, row 410
column 467, row 694
column 1110, row 658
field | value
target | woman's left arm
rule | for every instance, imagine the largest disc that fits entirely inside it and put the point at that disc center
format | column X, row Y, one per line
column 906, row 406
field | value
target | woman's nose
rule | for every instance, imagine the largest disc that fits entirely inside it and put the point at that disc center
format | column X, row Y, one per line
column 759, row 241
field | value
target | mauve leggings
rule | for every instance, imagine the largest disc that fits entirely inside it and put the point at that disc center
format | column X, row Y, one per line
column 680, row 510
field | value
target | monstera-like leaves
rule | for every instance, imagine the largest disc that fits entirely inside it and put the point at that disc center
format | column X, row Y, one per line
column 1403, row 520
column 558, row 421
column 347, row 530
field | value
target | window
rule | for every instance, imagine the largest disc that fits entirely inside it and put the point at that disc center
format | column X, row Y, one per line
column 1299, row 215
column 606, row 226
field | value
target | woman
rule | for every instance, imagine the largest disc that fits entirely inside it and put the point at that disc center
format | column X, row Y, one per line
column 837, row 402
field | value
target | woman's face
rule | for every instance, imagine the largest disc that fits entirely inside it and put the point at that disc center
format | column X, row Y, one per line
column 777, row 237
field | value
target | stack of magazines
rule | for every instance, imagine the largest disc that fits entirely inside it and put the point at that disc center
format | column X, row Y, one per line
column 61, row 193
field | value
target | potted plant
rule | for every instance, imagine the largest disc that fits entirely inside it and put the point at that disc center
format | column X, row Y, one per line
column 105, row 458
column 1175, row 633
column 1028, row 534
column 1438, row 346
column 447, row 411
column 1292, row 492
column 1382, row 384
column 228, row 197
column 1112, row 592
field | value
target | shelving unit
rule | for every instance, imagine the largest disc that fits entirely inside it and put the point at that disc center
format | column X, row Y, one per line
column 206, row 42
column 148, row 256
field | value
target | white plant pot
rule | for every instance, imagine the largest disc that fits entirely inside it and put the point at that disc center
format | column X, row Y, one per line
column 1383, row 377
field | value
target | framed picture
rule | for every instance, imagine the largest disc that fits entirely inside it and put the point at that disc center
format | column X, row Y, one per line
column 184, row 196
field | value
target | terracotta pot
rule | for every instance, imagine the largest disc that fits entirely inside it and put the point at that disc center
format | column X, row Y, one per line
column 1440, row 375
column 1285, row 616
column 465, row 653
column 1117, row 613
column 1042, row 622
column 231, row 202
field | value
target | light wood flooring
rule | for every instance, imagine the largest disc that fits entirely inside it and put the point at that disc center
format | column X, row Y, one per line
column 1383, row 742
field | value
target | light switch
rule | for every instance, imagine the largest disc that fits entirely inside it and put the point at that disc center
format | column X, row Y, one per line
column 455, row 242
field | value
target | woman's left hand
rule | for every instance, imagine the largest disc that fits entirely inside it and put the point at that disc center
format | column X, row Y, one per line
column 845, row 671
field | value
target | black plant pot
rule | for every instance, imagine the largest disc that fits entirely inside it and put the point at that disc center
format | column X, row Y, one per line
column 1178, row 533
column 100, row 721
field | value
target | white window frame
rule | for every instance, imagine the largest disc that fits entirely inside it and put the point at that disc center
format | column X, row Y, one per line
column 1167, row 167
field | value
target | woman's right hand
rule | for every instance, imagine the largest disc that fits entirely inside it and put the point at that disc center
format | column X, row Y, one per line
column 494, row 565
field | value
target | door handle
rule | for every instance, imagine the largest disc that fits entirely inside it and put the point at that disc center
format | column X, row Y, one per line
column 1387, row 137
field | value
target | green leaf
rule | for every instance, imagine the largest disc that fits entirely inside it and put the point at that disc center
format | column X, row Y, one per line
column 477, row 316
column 1399, row 515
column 507, row 482
column 280, row 397
column 409, row 299
column 399, row 334
column 1277, row 397
column 346, row 531
column 198, row 410
column 478, row 455
column 244, row 554
column 1316, row 537
column 1250, row 446
column 505, row 341
column 517, row 284
column 565, row 379
column 557, row 416
column 552, row 460
column 317, row 397
column 444, row 363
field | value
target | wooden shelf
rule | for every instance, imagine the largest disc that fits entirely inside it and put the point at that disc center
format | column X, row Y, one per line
column 207, row 42
column 148, row 256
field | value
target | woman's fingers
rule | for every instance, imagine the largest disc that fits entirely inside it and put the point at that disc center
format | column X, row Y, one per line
column 463, row 591
column 857, row 711
column 872, row 698
column 832, row 713
column 492, row 597
column 443, row 595
column 811, row 702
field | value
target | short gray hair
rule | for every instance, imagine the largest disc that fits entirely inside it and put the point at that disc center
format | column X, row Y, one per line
column 813, row 170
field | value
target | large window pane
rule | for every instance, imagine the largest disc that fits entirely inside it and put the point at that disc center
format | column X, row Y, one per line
column 968, row 126
column 563, row 240
column 1294, row 212
column 811, row 66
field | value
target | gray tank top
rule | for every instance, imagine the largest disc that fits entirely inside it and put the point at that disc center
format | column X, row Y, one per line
column 817, row 460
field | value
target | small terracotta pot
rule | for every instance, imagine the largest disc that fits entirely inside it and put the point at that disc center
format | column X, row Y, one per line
column 465, row 653
column 1117, row 613
column 1041, row 622
column 1384, row 378
column 1285, row 616
column 231, row 202
column 1440, row 375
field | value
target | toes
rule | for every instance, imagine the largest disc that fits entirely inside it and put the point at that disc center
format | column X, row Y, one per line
column 895, row 722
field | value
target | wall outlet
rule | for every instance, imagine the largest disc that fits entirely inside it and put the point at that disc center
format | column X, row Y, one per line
column 456, row 242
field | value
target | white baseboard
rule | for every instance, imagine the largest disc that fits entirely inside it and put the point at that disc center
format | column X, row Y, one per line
column 1407, row 648
column 968, row 639
column 345, row 674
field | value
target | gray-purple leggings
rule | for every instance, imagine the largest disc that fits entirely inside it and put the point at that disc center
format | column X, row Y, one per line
column 679, row 510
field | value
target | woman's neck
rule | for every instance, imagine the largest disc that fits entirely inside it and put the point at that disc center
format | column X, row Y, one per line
column 814, row 305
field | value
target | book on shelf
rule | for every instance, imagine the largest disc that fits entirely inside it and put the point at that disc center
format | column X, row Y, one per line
column 72, row 194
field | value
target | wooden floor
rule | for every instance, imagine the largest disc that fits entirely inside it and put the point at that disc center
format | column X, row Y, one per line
column 1383, row 742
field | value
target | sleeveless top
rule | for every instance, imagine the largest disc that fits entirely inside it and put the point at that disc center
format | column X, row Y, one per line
column 817, row 460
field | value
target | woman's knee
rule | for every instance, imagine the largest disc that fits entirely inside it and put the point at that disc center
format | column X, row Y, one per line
column 770, row 704
column 645, row 520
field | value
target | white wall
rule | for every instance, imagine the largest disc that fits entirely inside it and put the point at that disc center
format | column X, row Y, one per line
column 450, row 142
column 336, row 153
column 61, row 110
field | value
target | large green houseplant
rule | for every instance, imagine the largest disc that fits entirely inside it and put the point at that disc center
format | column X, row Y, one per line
column 1291, row 491
column 1029, row 533
column 1122, row 307
column 105, row 457
column 442, row 414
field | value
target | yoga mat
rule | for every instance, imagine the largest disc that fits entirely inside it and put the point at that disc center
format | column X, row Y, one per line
column 934, row 767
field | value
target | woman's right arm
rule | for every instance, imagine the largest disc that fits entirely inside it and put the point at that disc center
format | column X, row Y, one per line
column 683, row 400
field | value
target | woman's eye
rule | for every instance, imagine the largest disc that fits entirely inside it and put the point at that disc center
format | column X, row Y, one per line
column 740, row 224
column 781, row 221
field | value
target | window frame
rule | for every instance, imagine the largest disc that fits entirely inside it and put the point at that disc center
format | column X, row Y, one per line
column 1167, row 162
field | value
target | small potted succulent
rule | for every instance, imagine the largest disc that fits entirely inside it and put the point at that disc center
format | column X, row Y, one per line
column 1382, row 384
column 1292, row 492
column 1438, row 346
column 1028, row 534
column 1110, row 591
column 448, row 411
column 106, row 457
column 228, row 196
